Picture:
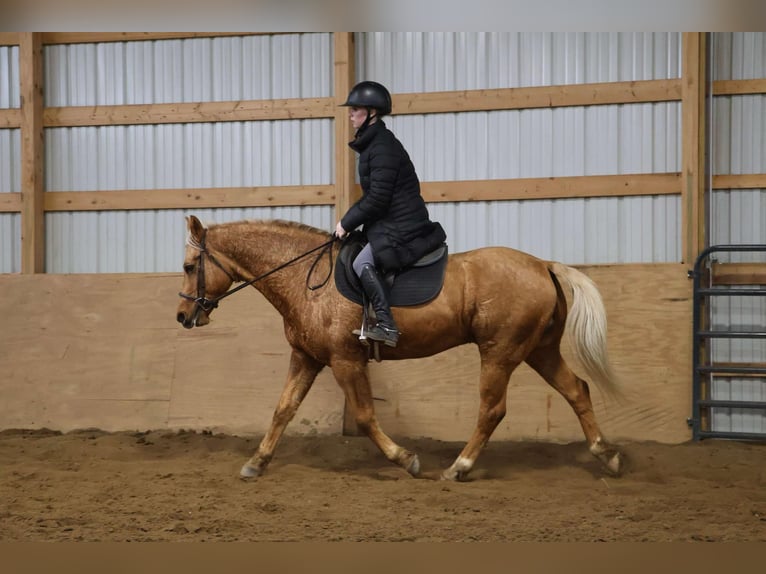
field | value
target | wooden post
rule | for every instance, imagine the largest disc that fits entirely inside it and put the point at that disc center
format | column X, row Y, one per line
column 345, row 165
column 32, row 153
column 693, row 113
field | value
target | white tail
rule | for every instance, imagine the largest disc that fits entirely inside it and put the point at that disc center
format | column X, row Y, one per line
column 586, row 323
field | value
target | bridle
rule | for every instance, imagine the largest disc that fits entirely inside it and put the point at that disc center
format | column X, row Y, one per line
column 206, row 304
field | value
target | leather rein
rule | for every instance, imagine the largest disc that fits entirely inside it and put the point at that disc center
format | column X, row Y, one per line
column 207, row 305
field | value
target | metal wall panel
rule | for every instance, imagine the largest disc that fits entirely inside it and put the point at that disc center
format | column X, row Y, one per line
column 739, row 143
column 10, row 182
column 739, row 217
column 189, row 70
column 227, row 154
column 10, row 167
column 614, row 139
column 231, row 154
column 9, row 77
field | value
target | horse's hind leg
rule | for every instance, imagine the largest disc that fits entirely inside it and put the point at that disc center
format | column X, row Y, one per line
column 353, row 379
column 549, row 363
column 301, row 375
column 492, row 388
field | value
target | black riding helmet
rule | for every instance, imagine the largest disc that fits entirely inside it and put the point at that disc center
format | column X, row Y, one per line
column 369, row 94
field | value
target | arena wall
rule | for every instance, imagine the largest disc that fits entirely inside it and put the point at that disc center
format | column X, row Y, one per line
column 105, row 351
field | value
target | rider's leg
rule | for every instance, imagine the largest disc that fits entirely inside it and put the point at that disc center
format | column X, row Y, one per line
column 386, row 329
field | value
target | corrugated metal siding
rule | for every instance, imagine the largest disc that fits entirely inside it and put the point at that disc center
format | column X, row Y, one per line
column 9, row 77
column 10, row 182
column 135, row 241
column 739, row 217
column 639, row 138
column 739, row 142
column 225, row 154
column 10, row 166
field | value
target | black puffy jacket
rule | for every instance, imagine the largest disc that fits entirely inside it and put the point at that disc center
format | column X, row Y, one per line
column 391, row 209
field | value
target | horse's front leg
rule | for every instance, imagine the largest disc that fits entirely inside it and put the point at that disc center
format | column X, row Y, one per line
column 301, row 375
column 353, row 378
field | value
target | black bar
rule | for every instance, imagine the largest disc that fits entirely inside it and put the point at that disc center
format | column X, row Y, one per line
column 737, row 370
column 733, row 334
column 713, row 403
column 698, row 336
column 730, row 292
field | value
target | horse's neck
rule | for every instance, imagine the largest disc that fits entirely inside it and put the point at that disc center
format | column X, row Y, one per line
column 260, row 248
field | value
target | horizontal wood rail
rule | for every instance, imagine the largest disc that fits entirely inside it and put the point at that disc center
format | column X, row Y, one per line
column 433, row 191
column 229, row 111
column 739, row 273
column 552, row 187
column 190, row 198
column 12, row 38
column 538, row 97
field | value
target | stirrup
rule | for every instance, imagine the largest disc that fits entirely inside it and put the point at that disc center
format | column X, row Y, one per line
column 389, row 337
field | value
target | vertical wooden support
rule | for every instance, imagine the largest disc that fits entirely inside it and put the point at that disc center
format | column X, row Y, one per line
column 693, row 127
column 32, row 153
column 346, row 191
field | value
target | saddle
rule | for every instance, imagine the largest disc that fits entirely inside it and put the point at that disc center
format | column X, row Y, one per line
column 414, row 285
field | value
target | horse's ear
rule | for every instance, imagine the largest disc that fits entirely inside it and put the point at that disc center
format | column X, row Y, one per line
column 195, row 227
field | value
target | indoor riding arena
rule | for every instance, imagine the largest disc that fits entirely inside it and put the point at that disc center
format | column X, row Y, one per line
column 637, row 158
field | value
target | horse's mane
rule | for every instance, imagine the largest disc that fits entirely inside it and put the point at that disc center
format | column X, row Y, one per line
column 292, row 227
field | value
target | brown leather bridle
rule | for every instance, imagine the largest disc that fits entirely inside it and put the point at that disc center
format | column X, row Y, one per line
column 206, row 304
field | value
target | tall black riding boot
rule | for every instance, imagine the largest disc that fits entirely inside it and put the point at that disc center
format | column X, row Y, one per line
column 386, row 330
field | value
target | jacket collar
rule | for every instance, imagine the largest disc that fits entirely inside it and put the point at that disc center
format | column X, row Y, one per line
column 364, row 136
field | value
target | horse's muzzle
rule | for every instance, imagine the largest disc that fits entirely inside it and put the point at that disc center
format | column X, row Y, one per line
column 197, row 318
column 181, row 318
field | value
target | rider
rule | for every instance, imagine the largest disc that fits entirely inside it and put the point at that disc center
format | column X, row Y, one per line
column 391, row 209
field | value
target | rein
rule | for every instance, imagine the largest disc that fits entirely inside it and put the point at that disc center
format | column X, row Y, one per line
column 208, row 305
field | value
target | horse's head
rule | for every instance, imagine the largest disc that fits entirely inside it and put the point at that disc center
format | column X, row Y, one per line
column 205, row 278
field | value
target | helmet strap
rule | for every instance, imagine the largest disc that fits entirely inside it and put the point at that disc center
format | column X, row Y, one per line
column 366, row 121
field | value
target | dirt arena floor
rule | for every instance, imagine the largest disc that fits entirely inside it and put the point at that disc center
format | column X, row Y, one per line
column 183, row 486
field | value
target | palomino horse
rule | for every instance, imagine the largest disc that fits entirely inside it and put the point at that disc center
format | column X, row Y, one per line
column 509, row 303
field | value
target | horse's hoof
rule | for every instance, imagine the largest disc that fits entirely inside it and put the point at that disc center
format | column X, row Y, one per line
column 249, row 472
column 454, row 475
column 413, row 466
column 614, row 464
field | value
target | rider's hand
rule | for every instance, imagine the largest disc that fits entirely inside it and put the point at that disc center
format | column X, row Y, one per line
column 339, row 231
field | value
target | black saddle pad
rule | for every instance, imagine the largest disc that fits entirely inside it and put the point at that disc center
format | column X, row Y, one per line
column 412, row 286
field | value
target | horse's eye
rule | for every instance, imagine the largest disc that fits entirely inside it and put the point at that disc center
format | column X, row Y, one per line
column 188, row 267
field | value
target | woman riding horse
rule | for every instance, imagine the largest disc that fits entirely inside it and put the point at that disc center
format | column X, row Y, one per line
column 391, row 209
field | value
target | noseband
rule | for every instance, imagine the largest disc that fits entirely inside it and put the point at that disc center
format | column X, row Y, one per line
column 208, row 305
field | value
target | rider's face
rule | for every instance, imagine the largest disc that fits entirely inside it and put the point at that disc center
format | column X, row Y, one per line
column 357, row 116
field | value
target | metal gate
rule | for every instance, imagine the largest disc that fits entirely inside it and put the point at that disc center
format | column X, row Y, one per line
column 748, row 369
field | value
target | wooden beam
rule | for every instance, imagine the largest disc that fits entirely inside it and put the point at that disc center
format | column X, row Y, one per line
column 12, row 38
column 121, row 200
column 92, row 37
column 10, row 118
column 538, row 97
column 552, row 187
column 10, row 202
column 437, row 191
column 740, row 181
column 345, row 165
column 234, row 111
column 9, row 39
column 739, row 87
column 739, row 273
column 693, row 145
column 32, row 153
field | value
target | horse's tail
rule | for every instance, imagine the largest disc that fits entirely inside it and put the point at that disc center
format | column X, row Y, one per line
column 586, row 325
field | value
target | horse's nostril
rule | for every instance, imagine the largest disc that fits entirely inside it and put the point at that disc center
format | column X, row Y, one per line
column 180, row 317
